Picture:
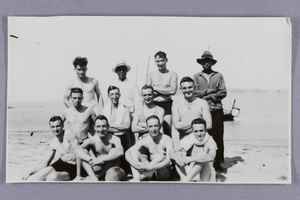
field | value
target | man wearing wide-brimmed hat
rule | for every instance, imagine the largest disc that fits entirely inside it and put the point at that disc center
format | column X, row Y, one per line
column 210, row 86
column 129, row 97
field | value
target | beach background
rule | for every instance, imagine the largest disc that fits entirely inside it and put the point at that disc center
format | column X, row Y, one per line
column 257, row 142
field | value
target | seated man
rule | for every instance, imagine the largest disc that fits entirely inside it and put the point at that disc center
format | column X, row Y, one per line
column 62, row 155
column 195, row 154
column 139, row 126
column 157, row 162
column 107, row 148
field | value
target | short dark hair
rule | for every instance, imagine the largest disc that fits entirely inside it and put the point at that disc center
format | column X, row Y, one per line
column 112, row 87
column 76, row 90
column 145, row 87
column 161, row 54
column 199, row 121
column 153, row 117
column 81, row 61
column 101, row 117
column 186, row 79
column 55, row 118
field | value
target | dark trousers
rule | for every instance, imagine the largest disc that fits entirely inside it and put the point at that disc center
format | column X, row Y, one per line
column 217, row 133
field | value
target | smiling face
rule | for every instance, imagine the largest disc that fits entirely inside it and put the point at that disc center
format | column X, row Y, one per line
column 199, row 131
column 147, row 95
column 153, row 126
column 101, row 127
column 187, row 89
column 57, row 127
column 161, row 63
column 80, row 71
column 114, row 96
column 76, row 99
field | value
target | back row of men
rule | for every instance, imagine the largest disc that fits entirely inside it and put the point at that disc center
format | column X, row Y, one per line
column 202, row 101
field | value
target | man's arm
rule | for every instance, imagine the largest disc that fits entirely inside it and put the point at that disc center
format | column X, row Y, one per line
column 206, row 114
column 67, row 96
column 220, row 92
column 171, row 90
column 132, row 150
column 135, row 126
column 98, row 94
column 114, row 153
column 178, row 124
column 125, row 125
column 204, row 157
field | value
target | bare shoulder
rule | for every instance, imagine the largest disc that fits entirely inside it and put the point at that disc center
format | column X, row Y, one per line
column 173, row 74
column 201, row 101
column 93, row 80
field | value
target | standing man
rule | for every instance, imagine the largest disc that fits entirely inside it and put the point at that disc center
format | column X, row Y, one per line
column 139, row 126
column 188, row 108
column 210, row 86
column 195, row 154
column 157, row 161
column 89, row 86
column 78, row 117
column 130, row 98
column 164, row 83
column 107, row 149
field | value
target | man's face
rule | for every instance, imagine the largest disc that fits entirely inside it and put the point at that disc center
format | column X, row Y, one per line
column 57, row 127
column 122, row 72
column 80, row 71
column 76, row 99
column 207, row 64
column 147, row 95
column 153, row 127
column 199, row 131
column 101, row 127
column 161, row 62
column 114, row 96
column 187, row 89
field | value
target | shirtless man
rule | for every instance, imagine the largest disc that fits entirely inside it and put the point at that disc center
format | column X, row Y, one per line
column 89, row 86
column 189, row 108
column 157, row 162
column 107, row 148
column 139, row 126
column 62, row 156
column 195, row 154
column 164, row 83
column 78, row 117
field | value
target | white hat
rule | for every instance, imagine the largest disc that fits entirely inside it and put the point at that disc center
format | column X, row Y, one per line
column 121, row 63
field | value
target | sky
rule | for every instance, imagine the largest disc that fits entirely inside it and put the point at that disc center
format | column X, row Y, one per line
column 251, row 53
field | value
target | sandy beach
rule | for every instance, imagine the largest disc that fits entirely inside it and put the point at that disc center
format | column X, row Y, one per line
column 257, row 143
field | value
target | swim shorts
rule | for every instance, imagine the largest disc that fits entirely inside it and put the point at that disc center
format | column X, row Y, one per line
column 166, row 105
column 62, row 166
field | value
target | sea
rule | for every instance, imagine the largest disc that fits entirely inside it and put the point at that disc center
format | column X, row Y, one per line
column 264, row 119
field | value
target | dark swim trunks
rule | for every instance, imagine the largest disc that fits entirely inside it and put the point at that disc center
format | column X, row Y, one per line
column 62, row 166
column 166, row 105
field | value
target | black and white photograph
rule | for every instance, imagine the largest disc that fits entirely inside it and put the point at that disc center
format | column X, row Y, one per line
column 149, row 100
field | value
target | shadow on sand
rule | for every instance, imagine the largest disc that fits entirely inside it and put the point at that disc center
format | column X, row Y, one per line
column 228, row 163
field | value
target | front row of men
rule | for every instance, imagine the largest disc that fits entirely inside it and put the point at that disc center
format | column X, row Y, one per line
column 150, row 157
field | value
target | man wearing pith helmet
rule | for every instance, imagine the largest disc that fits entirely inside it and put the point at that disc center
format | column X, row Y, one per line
column 210, row 86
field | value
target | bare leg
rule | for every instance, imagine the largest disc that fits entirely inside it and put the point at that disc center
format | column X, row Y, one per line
column 138, row 157
column 89, row 171
column 78, row 169
column 181, row 171
column 58, row 176
column 193, row 171
column 41, row 175
column 205, row 174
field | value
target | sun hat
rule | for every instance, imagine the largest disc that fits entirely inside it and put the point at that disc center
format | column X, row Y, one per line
column 120, row 63
column 206, row 55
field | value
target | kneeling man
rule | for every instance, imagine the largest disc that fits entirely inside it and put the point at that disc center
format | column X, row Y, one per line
column 195, row 154
column 107, row 148
column 158, row 146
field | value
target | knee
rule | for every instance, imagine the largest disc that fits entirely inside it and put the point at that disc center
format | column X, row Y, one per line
column 52, row 177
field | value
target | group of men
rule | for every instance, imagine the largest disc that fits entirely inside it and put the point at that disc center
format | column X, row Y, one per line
column 130, row 135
